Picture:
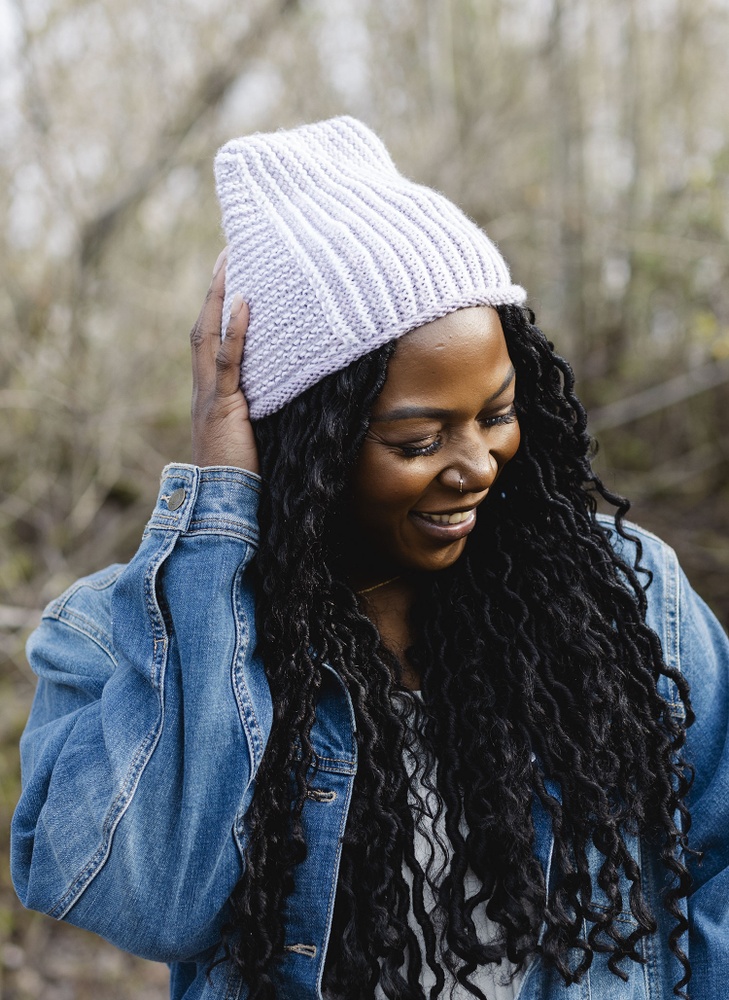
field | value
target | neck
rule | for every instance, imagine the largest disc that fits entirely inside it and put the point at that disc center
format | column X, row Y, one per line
column 377, row 586
column 387, row 605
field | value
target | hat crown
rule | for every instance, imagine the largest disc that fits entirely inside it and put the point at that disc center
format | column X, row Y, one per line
column 337, row 253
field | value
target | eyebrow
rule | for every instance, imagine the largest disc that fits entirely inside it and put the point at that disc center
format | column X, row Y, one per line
column 435, row 413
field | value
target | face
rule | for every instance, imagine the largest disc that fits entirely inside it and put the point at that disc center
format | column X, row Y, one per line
column 441, row 431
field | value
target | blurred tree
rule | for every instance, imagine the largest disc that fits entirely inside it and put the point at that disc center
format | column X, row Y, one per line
column 589, row 139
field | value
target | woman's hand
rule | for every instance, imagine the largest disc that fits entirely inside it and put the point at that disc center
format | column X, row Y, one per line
column 221, row 429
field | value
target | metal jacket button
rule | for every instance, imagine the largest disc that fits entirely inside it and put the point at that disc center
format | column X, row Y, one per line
column 176, row 499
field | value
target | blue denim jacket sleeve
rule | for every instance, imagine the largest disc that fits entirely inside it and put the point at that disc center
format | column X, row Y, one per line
column 705, row 651
column 146, row 729
column 694, row 642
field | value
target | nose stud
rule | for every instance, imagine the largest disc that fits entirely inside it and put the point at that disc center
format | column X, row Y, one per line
column 460, row 483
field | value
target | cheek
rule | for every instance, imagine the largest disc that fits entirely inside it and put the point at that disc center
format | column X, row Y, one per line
column 508, row 445
column 514, row 442
column 384, row 484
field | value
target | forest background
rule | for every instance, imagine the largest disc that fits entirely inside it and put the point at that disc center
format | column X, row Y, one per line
column 590, row 139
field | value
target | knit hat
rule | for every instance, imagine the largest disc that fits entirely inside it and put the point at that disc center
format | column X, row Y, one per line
column 337, row 253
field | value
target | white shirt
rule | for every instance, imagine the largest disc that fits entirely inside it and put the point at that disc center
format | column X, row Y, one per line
column 431, row 837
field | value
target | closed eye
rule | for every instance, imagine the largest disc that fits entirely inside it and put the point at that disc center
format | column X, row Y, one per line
column 420, row 451
column 423, row 450
column 501, row 418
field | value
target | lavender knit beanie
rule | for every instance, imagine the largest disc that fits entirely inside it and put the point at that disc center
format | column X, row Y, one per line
column 337, row 253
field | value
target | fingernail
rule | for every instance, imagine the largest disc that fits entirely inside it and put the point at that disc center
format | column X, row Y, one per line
column 236, row 304
column 219, row 262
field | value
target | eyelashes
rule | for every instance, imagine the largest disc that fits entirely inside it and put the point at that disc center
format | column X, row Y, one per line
column 503, row 418
column 423, row 451
column 416, row 451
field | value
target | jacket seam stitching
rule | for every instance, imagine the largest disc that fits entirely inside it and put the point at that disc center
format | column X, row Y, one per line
column 254, row 736
column 141, row 757
column 229, row 531
column 249, row 485
column 232, row 530
column 118, row 807
column 333, row 884
column 107, row 579
column 80, row 623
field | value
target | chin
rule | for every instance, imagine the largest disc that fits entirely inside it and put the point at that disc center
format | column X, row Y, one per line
column 433, row 562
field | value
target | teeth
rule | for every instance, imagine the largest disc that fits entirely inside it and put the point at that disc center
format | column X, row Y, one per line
column 448, row 518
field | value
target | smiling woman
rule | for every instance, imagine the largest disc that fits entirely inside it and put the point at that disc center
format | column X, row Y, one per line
column 440, row 433
column 382, row 707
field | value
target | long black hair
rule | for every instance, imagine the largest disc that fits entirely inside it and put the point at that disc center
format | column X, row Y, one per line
column 538, row 673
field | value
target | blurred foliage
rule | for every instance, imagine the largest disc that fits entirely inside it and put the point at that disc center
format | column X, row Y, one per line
column 590, row 139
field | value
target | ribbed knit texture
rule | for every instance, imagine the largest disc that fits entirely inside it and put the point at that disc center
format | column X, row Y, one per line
column 337, row 253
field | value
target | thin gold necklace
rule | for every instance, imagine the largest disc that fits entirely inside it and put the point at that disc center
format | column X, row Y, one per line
column 368, row 590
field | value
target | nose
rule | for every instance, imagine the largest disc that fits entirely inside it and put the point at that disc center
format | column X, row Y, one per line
column 479, row 457
column 472, row 471
column 479, row 472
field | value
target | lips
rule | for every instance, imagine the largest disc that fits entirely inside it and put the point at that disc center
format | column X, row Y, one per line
column 446, row 527
column 456, row 518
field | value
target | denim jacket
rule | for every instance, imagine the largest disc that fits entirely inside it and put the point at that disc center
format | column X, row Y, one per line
column 150, row 720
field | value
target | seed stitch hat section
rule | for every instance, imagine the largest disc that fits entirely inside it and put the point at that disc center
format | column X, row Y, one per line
column 337, row 253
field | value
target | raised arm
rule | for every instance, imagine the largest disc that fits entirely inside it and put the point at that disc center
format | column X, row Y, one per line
column 151, row 714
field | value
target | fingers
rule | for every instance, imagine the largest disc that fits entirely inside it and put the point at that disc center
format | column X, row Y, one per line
column 222, row 258
column 221, row 429
column 230, row 353
column 205, row 334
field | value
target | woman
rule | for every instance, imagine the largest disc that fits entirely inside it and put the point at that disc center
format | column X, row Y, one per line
column 404, row 717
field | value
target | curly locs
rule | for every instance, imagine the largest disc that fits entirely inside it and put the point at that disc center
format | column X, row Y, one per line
column 538, row 678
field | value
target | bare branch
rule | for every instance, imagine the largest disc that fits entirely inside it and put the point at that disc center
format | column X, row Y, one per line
column 660, row 397
column 208, row 94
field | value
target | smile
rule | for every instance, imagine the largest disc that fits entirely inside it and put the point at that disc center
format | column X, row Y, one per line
column 457, row 518
column 445, row 528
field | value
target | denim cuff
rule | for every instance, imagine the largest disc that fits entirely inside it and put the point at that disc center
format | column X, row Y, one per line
column 218, row 499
